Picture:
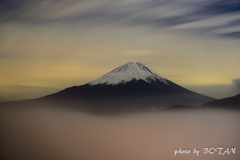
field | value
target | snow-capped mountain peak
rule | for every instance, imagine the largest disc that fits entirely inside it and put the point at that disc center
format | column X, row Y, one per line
column 129, row 72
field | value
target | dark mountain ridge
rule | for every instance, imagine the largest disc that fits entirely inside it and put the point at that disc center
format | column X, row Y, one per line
column 131, row 85
column 225, row 103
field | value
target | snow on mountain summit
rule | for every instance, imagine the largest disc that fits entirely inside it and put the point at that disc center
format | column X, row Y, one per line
column 128, row 72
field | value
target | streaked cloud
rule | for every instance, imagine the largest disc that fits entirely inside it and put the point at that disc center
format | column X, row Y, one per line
column 152, row 13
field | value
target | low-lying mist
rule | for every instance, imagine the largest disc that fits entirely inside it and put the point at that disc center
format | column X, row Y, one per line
column 52, row 133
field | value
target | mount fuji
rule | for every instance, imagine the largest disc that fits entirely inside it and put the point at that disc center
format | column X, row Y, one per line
column 132, row 85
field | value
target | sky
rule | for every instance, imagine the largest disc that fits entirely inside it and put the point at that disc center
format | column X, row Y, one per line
column 46, row 46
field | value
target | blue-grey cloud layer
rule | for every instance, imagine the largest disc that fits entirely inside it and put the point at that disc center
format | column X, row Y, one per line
column 200, row 14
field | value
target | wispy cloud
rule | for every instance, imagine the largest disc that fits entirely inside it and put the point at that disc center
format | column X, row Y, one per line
column 152, row 13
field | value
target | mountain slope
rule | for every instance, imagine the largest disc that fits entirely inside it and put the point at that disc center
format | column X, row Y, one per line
column 226, row 103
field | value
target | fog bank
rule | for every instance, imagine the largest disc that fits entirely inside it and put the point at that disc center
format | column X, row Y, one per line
column 47, row 133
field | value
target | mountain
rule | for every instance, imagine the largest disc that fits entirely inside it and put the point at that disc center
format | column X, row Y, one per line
column 132, row 85
column 225, row 103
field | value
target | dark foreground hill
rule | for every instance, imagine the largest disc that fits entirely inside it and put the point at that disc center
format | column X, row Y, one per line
column 225, row 103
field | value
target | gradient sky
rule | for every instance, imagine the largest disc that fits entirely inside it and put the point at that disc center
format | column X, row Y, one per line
column 46, row 46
